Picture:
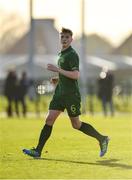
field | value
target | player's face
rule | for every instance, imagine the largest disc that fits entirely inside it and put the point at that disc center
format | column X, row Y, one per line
column 66, row 40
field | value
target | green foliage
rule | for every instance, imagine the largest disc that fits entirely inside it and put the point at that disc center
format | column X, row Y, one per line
column 69, row 154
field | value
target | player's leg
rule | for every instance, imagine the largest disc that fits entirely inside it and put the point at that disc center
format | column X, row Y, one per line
column 86, row 128
column 44, row 135
column 55, row 108
column 47, row 129
column 73, row 109
column 91, row 131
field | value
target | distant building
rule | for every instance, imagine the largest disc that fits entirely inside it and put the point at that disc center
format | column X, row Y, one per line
column 125, row 48
column 95, row 45
column 46, row 40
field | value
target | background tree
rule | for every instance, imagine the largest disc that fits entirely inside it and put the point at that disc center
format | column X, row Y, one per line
column 12, row 28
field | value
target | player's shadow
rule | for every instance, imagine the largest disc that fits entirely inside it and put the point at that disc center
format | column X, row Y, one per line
column 113, row 163
column 110, row 163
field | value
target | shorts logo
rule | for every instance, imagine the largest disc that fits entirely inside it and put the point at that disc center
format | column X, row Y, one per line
column 73, row 109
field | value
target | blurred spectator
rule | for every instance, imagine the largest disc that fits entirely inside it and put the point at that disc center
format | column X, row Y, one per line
column 105, row 88
column 91, row 94
column 22, row 92
column 34, row 96
column 10, row 91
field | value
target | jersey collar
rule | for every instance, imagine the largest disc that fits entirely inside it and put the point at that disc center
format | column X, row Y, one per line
column 66, row 50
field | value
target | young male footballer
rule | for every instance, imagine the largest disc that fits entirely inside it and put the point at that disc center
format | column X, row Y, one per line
column 66, row 96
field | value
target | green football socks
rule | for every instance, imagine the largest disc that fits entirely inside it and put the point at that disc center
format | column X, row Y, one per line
column 91, row 131
column 44, row 136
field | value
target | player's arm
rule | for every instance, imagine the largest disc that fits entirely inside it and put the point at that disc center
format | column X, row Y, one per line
column 70, row 74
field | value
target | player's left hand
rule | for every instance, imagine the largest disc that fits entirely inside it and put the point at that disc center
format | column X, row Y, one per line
column 54, row 81
column 53, row 68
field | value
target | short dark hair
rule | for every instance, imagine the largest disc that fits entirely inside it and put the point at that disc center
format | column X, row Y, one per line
column 64, row 30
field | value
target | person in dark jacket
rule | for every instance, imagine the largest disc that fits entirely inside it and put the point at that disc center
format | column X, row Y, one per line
column 105, row 90
column 23, row 87
column 10, row 91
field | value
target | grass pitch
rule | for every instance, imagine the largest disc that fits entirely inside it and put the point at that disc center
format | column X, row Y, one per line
column 69, row 154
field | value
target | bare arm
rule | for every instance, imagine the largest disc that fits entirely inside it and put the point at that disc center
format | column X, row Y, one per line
column 70, row 74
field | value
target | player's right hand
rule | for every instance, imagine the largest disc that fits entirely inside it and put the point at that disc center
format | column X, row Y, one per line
column 54, row 80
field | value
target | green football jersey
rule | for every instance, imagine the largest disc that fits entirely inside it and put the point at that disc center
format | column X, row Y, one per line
column 69, row 61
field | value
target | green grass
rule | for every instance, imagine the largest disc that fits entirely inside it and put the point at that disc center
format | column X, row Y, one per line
column 69, row 154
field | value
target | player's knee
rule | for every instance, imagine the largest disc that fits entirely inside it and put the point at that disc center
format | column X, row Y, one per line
column 50, row 120
column 75, row 125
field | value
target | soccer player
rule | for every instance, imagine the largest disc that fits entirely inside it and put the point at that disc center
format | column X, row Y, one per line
column 66, row 96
